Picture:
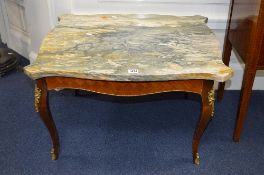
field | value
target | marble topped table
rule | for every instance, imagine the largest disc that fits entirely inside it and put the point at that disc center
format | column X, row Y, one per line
column 129, row 55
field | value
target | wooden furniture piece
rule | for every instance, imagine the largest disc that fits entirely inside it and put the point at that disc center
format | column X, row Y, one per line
column 129, row 55
column 201, row 87
column 245, row 34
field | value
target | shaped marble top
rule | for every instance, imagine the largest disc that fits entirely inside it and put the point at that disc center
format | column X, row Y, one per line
column 130, row 48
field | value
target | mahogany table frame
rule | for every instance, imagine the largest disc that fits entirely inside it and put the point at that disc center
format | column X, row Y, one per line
column 246, row 37
column 202, row 87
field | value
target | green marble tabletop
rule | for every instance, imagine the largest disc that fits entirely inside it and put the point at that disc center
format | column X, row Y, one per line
column 130, row 48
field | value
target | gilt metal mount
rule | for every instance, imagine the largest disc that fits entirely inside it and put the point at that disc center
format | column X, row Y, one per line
column 37, row 98
column 197, row 159
column 53, row 155
column 211, row 100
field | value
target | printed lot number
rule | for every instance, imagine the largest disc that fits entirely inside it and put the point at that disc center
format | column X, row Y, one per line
column 133, row 71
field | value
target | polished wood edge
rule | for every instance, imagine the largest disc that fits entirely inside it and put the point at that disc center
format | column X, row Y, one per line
column 260, row 67
column 116, row 88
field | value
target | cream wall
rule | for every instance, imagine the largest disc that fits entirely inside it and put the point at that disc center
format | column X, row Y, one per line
column 42, row 16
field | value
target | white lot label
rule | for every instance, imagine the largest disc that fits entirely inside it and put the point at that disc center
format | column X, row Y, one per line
column 132, row 71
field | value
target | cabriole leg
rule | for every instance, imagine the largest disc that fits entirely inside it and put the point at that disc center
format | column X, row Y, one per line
column 42, row 106
column 207, row 111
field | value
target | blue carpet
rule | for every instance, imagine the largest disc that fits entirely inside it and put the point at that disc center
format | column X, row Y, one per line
column 103, row 135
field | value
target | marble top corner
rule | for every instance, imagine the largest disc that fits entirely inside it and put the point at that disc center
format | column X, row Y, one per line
column 130, row 48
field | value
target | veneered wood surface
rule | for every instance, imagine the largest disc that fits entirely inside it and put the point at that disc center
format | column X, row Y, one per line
column 261, row 59
column 202, row 87
column 245, row 35
column 124, row 88
column 243, row 27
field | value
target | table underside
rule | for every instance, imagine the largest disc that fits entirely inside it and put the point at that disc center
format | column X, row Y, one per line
column 202, row 87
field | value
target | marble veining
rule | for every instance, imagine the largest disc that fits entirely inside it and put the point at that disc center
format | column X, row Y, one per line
column 130, row 48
